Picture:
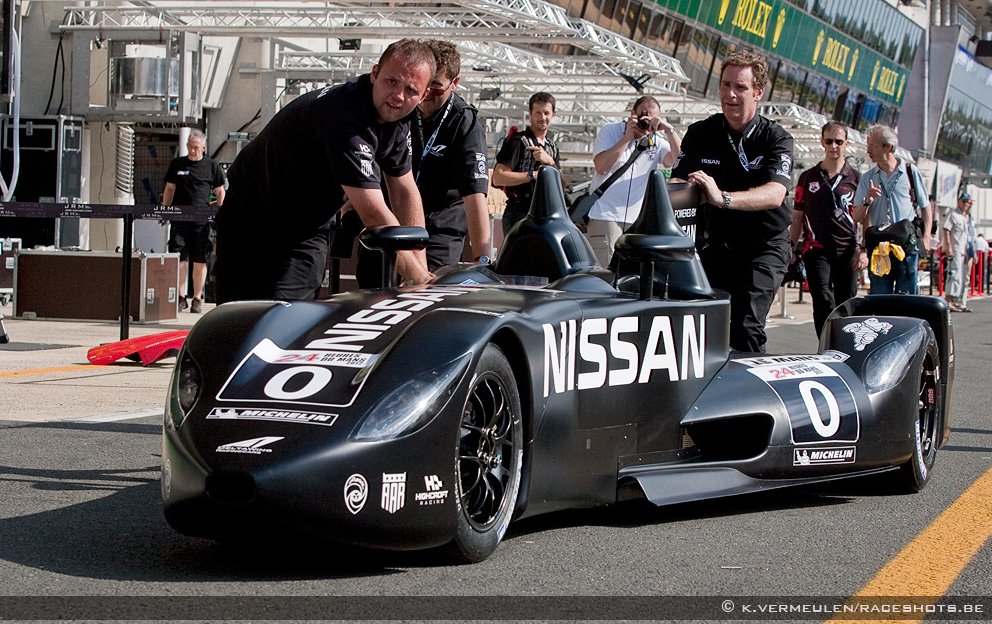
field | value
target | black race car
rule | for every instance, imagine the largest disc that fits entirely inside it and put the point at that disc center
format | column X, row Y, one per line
column 410, row 418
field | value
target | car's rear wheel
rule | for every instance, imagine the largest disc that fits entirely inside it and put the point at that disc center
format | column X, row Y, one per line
column 914, row 474
column 489, row 459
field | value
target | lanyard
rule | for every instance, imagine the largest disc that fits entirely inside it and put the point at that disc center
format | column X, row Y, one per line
column 888, row 192
column 739, row 149
column 430, row 142
column 840, row 210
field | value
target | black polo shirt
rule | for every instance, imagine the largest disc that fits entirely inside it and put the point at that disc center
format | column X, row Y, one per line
column 286, row 183
column 515, row 155
column 826, row 206
column 449, row 154
column 760, row 154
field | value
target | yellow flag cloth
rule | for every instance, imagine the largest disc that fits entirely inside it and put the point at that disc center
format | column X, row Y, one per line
column 880, row 262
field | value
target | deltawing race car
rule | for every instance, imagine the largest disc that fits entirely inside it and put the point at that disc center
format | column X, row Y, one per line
column 430, row 416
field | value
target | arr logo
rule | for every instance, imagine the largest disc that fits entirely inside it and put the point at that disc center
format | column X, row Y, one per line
column 255, row 446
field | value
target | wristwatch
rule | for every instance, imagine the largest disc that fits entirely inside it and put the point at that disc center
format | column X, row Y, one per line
column 726, row 200
column 531, row 176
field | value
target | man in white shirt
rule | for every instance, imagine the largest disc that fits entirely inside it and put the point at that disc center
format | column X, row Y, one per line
column 616, row 142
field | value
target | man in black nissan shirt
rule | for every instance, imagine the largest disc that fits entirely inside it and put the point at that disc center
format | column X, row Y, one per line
column 449, row 165
column 449, row 162
column 325, row 147
column 742, row 163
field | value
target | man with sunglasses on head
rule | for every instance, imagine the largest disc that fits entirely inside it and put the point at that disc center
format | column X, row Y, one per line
column 742, row 163
column 327, row 147
column 449, row 166
column 823, row 217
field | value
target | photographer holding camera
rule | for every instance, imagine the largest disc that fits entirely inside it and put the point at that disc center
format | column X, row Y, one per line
column 639, row 137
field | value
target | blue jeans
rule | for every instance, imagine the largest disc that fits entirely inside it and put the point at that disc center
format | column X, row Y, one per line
column 901, row 280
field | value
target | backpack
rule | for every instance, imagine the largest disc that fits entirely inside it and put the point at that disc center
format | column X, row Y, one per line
column 509, row 135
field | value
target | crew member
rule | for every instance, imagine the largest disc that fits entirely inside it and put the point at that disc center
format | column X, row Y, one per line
column 327, row 146
column 191, row 180
column 742, row 162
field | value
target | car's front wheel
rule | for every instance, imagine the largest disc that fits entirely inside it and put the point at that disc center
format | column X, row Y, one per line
column 914, row 474
column 488, row 460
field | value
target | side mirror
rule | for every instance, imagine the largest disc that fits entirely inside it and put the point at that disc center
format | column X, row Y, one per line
column 390, row 239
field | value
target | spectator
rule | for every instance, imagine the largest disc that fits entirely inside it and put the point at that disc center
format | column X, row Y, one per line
column 616, row 142
column 328, row 146
column 449, row 164
column 521, row 156
column 742, row 163
column 191, row 180
column 888, row 195
column 823, row 217
column 981, row 244
column 957, row 269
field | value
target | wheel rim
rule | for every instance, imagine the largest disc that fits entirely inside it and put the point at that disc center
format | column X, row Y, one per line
column 486, row 452
column 926, row 422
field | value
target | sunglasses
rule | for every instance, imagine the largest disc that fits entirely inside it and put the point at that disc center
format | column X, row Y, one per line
column 436, row 91
column 834, row 141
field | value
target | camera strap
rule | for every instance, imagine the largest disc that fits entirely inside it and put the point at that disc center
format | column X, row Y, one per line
column 641, row 146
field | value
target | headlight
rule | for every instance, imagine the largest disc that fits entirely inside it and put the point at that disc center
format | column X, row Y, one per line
column 189, row 383
column 413, row 404
column 886, row 367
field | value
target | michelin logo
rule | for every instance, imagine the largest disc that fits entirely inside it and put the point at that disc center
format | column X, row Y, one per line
column 243, row 413
column 816, row 457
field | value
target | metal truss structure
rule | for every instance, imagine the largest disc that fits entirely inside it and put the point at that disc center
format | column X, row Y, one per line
column 513, row 47
column 510, row 49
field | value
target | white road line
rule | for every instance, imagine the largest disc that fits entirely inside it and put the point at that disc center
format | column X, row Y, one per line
column 115, row 417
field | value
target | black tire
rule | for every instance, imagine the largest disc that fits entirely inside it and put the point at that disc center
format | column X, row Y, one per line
column 488, row 459
column 915, row 473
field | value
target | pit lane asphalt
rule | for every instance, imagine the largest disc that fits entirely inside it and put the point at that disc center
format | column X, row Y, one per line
column 80, row 511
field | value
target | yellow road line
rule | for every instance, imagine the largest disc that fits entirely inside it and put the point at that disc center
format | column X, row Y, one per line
column 929, row 565
column 47, row 371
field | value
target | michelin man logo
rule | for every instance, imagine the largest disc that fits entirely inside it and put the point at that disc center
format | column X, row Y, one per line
column 866, row 332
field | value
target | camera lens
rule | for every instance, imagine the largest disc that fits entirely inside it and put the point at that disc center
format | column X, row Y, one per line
column 644, row 123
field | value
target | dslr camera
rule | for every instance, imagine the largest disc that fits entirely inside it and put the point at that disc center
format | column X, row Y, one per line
column 644, row 123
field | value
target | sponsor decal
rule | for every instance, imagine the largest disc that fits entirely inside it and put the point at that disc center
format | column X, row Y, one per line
column 710, row 161
column 793, row 371
column 785, row 168
column 770, row 360
column 328, row 371
column 255, row 446
column 481, row 167
column 393, row 491
column 356, row 492
column 247, row 413
column 435, row 494
column 756, row 163
column 819, row 456
column 819, row 403
column 368, row 324
column 866, row 331
column 814, row 187
column 621, row 352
